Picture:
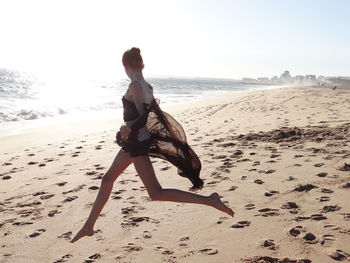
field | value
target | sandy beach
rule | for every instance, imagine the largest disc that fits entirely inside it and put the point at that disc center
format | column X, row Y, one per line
column 279, row 157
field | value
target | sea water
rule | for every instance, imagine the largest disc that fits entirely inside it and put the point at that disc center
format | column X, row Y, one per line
column 27, row 101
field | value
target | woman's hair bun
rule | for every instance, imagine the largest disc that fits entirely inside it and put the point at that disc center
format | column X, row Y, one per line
column 132, row 58
column 135, row 50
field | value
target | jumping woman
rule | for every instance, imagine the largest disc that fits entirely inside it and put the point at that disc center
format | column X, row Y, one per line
column 148, row 131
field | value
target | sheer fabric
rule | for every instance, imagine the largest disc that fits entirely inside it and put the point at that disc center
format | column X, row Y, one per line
column 168, row 140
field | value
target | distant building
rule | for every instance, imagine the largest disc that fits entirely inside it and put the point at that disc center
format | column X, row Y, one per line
column 263, row 80
column 310, row 80
column 274, row 80
column 339, row 81
column 311, row 77
column 299, row 79
column 321, row 79
column 285, row 76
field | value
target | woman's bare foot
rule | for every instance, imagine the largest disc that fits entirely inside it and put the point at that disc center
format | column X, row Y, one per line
column 218, row 204
column 85, row 231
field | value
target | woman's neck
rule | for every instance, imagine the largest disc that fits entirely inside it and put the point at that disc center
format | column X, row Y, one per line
column 137, row 75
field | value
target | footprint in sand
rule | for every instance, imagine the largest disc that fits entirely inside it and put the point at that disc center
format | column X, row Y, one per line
column 267, row 171
column 22, row 223
column 258, row 181
column 61, row 184
column 295, row 231
column 310, row 238
column 146, row 234
column 268, row 243
column 164, row 250
column 76, row 189
column 265, row 212
column 289, row 205
column 266, row 259
column 95, row 256
column 306, row 187
column 91, row 173
column 327, row 240
column 271, row 193
column 318, row 164
column 331, row 227
column 134, row 221
column 70, row 198
column 323, row 198
column 330, row 208
column 131, row 247
column 182, row 240
column 346, row 216
column 256, row 163
column 129, row 210
column 66, row 235
column 63, row 258
column 222, row 219
column 37, row 233
column 326, row 191
column 318, row 217
column 339, row 255
column 209, row 251
column 44, row 197
column 249, row 206
column 241, row 224
column 322, row 174
column 291, row 178
column 345, row 186
column 53, row 213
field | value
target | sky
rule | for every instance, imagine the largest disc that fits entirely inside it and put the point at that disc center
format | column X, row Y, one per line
column 74, row 39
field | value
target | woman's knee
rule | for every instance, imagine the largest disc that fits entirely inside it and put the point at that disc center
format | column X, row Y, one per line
column 156, row 194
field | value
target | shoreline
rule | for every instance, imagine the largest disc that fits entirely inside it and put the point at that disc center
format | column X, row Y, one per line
column 25, row 126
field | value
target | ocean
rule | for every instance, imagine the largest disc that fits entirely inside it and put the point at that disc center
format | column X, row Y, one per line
column 27, row 101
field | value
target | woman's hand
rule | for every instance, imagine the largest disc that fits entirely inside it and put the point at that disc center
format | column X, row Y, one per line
column 124, row 132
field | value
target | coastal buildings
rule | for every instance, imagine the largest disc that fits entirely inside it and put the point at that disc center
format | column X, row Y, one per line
column 306, row 80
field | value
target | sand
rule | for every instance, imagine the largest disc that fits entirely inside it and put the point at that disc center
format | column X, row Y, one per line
column 280, row 158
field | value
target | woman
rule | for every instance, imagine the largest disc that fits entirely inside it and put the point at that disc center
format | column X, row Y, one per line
column 149, row 131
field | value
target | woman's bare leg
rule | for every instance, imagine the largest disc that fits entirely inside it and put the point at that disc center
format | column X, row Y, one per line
column 120, row 163
column 145, row 170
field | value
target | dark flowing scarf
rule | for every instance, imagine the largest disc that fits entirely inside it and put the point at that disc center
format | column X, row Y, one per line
column 170, row 143
column 168, row 140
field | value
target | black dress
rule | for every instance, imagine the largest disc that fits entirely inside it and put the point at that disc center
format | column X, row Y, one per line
column 168, row 139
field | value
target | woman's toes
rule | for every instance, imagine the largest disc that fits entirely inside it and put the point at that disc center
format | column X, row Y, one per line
column 218, row 204
column 82, row 233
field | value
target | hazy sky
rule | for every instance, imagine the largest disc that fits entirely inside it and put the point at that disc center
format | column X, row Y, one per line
column 203, row 38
